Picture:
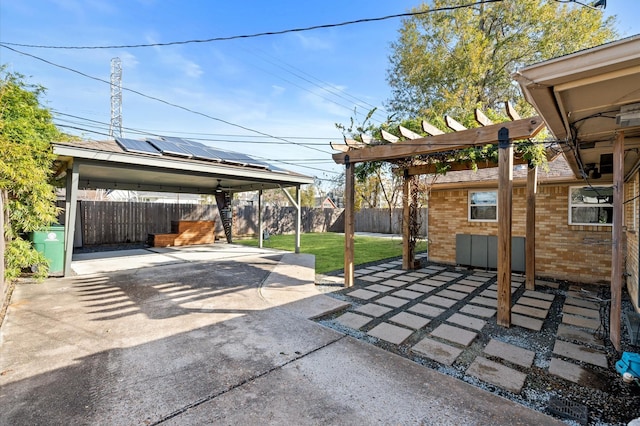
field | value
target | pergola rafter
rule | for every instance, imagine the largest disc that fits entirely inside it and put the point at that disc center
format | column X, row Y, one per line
column 501, row 134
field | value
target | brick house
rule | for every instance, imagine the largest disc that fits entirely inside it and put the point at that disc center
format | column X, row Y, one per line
column 464, row 203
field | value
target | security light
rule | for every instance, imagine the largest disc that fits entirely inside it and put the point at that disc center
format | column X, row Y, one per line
column 629, row 116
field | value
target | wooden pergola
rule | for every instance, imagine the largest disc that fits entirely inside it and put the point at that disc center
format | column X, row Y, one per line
column 502, row 134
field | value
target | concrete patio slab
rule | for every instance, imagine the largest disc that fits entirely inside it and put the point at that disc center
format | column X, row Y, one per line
column 466, row 321
column 395, row 302
column 408, row 320
column 383, row 275
column 549, row 284
column 406, row 278
column 583, row 322
column 440, row 301
column 454, row 334
column 362, row 294
column 526, row 322
column 534, row 302
column 407, row 294
column 426, row 310
column 373, row 310
column 509, row 352
column 442, row 277
column 580, row 353
column 497, row 374
column 575, row 334
column 355, row 321
column 437, row 351
column 485, row 301
column 529, row 311
column 572, row 372
column 584, row 312
column 462, row 288
column 478, row 311
column 370, row 278
column 580, row 302
column 394, row 283
column 470, row 282
column 456, row 295
column 539, row 295
column 390, row 333
column 379, row 288
column 434, row 283
column 421, row 288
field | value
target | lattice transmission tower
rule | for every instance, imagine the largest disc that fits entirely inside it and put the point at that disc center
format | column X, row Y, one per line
column 115, row 129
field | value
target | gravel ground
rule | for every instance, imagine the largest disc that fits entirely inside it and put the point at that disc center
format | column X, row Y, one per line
column 607, row 398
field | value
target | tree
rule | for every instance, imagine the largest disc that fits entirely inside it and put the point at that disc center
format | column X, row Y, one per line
column 26, row 160
column 451, row 62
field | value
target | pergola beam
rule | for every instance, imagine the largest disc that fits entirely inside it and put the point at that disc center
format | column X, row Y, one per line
column 521, row 129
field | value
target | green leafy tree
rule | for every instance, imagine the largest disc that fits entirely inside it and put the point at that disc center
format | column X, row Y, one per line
column 26, row 159
column 451, row 62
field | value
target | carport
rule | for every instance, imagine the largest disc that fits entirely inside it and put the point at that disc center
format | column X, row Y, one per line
column 151, row 165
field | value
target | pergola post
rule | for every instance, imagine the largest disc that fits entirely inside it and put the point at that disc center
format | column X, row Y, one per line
column 71, row 209
column 298, row 217
column 505, row 188
column 406, row 218
column 530, row 237
column 260, row 226
column 616, row 241
column 349, row 222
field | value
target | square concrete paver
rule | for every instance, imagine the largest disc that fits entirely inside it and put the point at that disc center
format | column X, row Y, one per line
column 581, row 353
column 394, row 283
column 462, row 288
column 441, row 277
column 472, row 283
column 383, row 275
column 580, row 302
column 479, row 300
column 526, row 322
column 421, row 287
column 456, row 295
column 426, row 310
column 465, row 321
column 511, row 353
column 440, row 301
column 549, row 284
column 539, row 295
column 362, row 294
column 406, row 278
column 567, row 332
column 379, row 288
column 390, row 333
column 409, row 320
column 373, row 310
column 585, row 312
column 497, row 374
column 435, row 283
column 395, row 302
column 407, row 294
column 536, row 303
column 572, row 372
column 479, row 278
column 352, row 320
column 370, row 278
column 493, row 294
column 529, row 311
column 437, row 351
column 451, row 274
column 454, row 334
column 478, row 311
column 583, row 322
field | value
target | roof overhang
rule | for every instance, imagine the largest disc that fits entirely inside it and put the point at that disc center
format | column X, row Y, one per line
column 108, row 169
column 580, row 95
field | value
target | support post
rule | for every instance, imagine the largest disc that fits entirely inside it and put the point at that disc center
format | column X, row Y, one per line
column 530, row 239
column 71, row 204
column 349, row 222
column 505, row 193
column 298, row 218
column 260, row 227
column 616, row 241
column 406, row 218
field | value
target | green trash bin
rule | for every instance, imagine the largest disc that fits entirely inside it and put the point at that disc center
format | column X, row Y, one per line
column 50, row 242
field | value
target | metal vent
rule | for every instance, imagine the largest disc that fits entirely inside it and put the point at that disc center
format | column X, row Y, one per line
column 569, row 410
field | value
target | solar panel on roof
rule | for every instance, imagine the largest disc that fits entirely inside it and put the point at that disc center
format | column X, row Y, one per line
column 132, row 145
column 169, row 147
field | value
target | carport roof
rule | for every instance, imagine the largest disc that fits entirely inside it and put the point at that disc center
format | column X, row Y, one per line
column 106, row 165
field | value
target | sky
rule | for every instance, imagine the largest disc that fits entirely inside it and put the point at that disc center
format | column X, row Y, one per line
column 229, row 94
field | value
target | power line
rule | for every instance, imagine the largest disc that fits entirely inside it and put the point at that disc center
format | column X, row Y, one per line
column 262, row 34
column 161, row 100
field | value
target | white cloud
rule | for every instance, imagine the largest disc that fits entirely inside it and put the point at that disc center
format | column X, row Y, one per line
column 277, row 90
column 313, row 43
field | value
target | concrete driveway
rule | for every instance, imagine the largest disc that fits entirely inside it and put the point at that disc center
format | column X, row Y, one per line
column 211, row 335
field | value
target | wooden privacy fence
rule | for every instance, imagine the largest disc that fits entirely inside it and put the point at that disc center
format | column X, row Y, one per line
column 115, row 222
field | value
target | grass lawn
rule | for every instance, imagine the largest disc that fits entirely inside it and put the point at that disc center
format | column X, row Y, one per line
column 329, row 248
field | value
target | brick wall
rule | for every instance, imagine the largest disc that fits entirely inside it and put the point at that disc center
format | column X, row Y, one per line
column 631, row 224
column 563, row 251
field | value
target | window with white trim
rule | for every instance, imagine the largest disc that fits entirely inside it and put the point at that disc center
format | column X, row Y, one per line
column 591, row 205
column 483, row 206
